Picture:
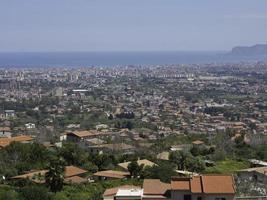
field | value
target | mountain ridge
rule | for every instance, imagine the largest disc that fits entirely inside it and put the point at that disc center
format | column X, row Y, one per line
column 258, row 49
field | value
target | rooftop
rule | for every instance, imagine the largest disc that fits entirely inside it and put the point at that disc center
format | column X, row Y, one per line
column 145, row 162
column 113, row 191
column 133, row 192
column 155, row 187
column 208, row 184
column 21, row 138
column 112, row 174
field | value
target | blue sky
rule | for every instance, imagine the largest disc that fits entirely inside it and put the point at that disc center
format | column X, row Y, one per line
column 131, row 25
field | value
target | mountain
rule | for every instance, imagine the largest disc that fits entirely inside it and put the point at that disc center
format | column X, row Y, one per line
column 258, row 49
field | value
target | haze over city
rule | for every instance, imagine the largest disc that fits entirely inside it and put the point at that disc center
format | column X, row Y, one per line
column 131, row 25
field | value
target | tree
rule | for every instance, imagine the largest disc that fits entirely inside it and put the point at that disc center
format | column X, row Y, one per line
column 61, row 196
column 73, row 154
column 134, row 168
column 110, row 117
column 164, row 172
column 55, row 176
column 195, row 164
column 36, row 193
column 195, row 151
column 179, row 158
column 6, row 193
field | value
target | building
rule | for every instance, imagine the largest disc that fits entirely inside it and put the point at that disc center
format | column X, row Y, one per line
column 110, row 174
column 72, row 174
column 81, row 136
column 111, row 148
column 9, row 114
column 154, row 189
column 110, row 193
column 203, row 187
column 5, row 132
column 129, row 194
column 144, row 162
column 30, row 126
column 21, row 138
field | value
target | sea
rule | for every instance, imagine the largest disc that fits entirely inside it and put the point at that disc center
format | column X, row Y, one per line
column 107, row 59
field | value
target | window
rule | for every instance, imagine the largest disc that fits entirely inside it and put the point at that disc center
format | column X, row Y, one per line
column 187, row 197
column 199, row 198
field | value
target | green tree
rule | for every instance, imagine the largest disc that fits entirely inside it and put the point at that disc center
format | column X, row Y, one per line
column 135, row 169
column 101, row 161
column 61, row 196
column 55, row 176
column 164, row 172
column 73, row 154
column 179, row 158
column 194, row 164
column 36, row 193
column 7, row 193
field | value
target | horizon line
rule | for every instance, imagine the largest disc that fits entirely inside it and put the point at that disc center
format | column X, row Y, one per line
column 121, row 51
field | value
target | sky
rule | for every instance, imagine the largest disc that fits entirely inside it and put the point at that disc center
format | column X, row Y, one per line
column 131, row 25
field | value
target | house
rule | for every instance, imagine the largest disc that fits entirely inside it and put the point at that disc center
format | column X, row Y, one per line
column 21, row 138
column 110, row 174
column 110, row 193
column 154, row 189
column 198, row 143
column 181, row 147
column 203, row 187
column 144, row 162
column 30, row 126
column 129, row 194
column 107, row 148
column 5, row 132
column 9, row 114
column 81, row 136
column 72, row 174
column 37, row 176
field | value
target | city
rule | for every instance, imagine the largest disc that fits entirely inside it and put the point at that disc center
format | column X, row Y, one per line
column 133, row 100
column 125, row 124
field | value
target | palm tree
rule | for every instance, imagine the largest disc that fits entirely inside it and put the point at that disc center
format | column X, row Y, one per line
column 55, row 176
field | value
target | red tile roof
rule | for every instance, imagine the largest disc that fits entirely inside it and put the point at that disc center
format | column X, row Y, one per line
column 195, row 184
column 71, row 174
column 112, row 174
column 155, row 187
column 214, row 184
column 73, row 171
column 75, row 179
column 208, row 184
column 21, row 138
column 180, row 184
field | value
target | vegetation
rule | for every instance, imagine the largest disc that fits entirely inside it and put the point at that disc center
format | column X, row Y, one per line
column 55, row 176
column 227, row 166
